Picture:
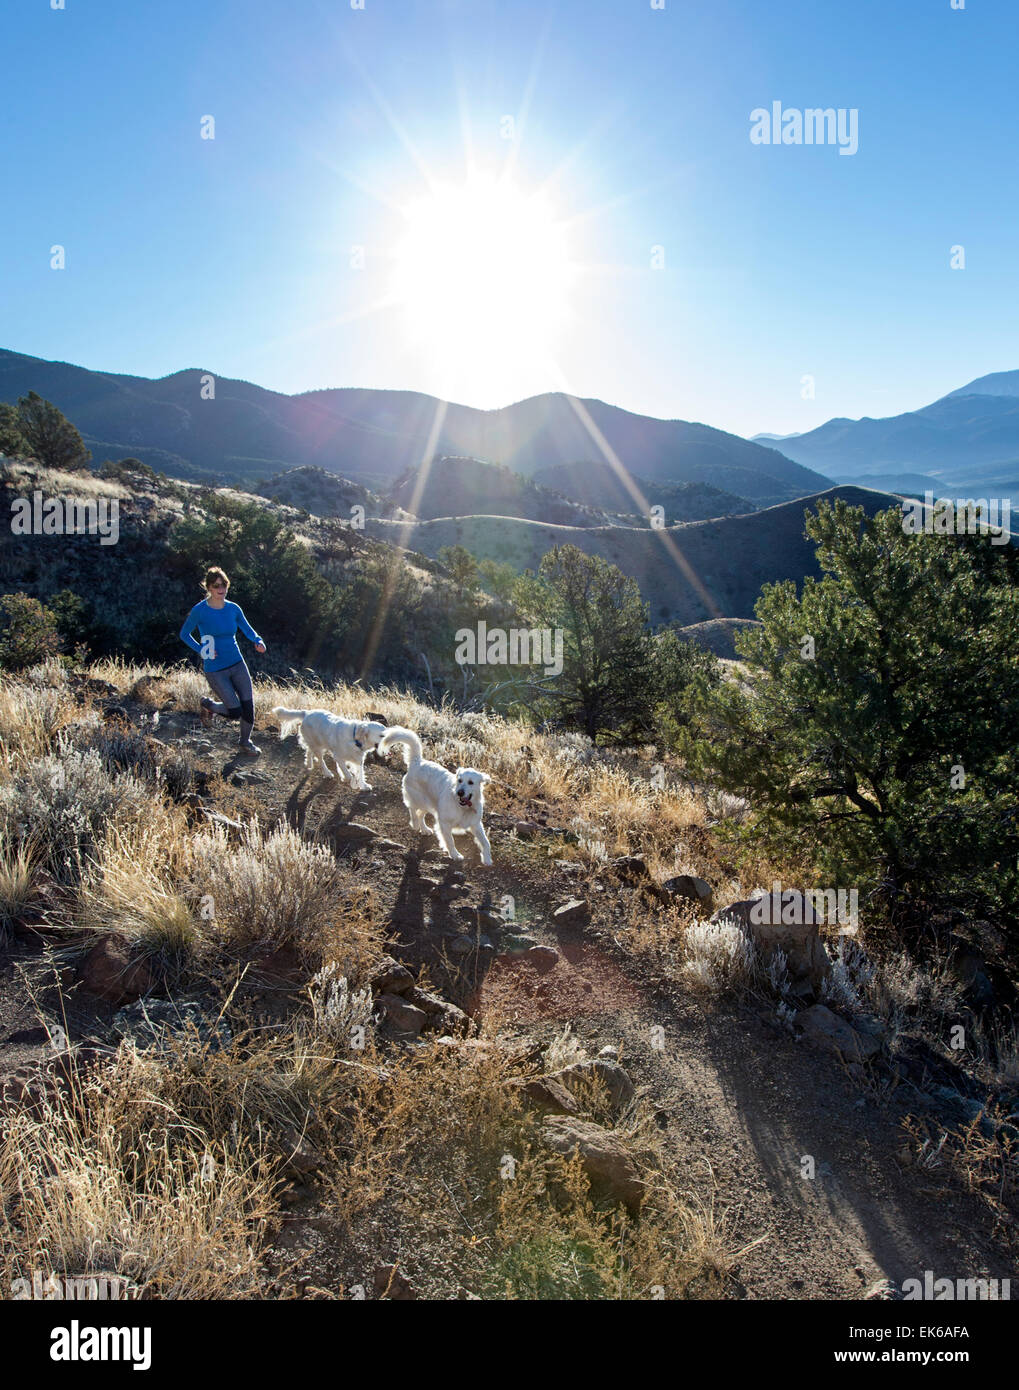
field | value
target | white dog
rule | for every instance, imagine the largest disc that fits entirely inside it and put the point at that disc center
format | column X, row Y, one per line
column 455, row 800
column 320, row 732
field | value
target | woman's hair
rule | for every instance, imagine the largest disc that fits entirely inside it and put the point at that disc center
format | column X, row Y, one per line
column 211, row 575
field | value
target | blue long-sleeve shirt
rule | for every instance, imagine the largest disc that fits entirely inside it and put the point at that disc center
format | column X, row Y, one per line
column 217, row 628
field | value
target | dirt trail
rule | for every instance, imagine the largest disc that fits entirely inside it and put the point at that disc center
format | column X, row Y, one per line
column 741, row 1103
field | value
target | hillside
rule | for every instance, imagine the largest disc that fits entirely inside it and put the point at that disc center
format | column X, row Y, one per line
column 348, row 1051
column 466, row 486
column 246, row 433
column 732, row 556
column 599, row 485
column 317, row 491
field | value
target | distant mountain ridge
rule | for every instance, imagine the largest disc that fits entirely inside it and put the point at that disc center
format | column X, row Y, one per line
column 965, row 442
column 245, row 432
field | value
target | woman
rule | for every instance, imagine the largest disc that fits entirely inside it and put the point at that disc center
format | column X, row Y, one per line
column 217, row 622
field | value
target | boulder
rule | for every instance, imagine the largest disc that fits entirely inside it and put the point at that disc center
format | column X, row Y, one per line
column 390, row 977
column 111, row 972
column 543, row 958
column 450, row 1021
column 834, row 1034
column 605, row 1158
column 402, row 1016
column 785, row 922
column 615, row 1079
column 632, row 868
column 546, row 1094
column 525, row 829
column 698, row 890
column 571, row 911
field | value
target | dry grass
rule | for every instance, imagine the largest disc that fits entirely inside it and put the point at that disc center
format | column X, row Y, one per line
column 18, row 884
column 114, row 1179
column 136, row 888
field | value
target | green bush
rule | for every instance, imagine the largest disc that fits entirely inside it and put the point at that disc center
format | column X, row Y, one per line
column 877, row 726
column 28, row 632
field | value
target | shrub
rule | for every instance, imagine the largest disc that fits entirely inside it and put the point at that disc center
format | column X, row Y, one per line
column 888, row 745
column 270, row 891
column 64, row 803
column 28, row 632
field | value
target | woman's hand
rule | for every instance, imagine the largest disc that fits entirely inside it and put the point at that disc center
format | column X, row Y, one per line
column 260, row 647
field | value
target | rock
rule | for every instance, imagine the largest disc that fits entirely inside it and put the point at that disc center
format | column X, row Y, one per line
column 543, row 958
column 606, row 1160
column 546, row 1094
column 574, row 910
column 567, row 866
column 390, row 844
column 632, row 868
column 612, row 1053
column 884, row 1291
column 116, row 714
column 352, row 832
column 443, row 1016
column 402, row 1016
column 461, row 946
column 688, row 886
column 448, row 892
column 390, row 977
column 525, row 829
column 615, row 1079
column 829, row 1031
column 389, row 1283
column 232, row 827
column 110, row 972
column 515, row 944
column 761, row 918
column 160, row 1025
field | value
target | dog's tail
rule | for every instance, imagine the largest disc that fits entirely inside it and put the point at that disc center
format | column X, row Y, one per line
column 409, row 739
column 290, row 719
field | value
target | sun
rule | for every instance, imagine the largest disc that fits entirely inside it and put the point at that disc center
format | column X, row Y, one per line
column 482, row 278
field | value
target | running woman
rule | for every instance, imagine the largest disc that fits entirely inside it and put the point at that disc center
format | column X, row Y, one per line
column 217, row 622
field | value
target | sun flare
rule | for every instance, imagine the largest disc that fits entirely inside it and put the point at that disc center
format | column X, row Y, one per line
column 482, row 277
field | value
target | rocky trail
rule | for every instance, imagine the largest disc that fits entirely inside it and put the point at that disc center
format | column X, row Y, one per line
column 803, row 1167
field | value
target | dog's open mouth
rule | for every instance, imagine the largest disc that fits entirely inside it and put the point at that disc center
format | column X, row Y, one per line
column 465, row 798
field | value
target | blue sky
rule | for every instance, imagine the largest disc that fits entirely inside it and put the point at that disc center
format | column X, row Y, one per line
column 233, row 254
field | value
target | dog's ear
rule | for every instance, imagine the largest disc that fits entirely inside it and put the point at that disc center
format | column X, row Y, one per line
column 486, row 776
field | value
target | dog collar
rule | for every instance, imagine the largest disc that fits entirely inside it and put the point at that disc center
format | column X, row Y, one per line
column 358, row 743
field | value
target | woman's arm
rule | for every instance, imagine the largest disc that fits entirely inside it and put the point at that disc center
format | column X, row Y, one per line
column 186, row 631
column 248, row 630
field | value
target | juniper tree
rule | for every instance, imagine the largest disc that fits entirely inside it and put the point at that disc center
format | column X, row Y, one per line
column 878, row 718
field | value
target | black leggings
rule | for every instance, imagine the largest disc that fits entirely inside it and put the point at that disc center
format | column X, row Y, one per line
column 233, row 686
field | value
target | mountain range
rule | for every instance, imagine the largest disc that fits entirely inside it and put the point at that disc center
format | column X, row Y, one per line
column 965, row 443
column 197, row 426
